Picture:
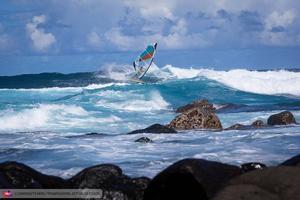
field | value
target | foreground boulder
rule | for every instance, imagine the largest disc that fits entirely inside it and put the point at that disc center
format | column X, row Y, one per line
column 14, row 175
column 155, row 128
column 196, row 118
column 294, row 161
column 190, row 179
column 203, row 103
column 282, row 118
column 269, row 184
column 114, row 184
column 112, row 181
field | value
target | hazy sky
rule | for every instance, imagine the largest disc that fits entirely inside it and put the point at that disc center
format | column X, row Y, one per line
column 60, row 27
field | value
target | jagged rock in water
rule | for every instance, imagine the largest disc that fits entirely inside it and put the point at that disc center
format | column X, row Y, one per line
column 196, row 118
column 144, row 140
column 258, row 124
column 236, row 127
column 155, row 128
column 282, row 118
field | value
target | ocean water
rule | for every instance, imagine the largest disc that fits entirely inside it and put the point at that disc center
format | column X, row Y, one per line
column 46, row 119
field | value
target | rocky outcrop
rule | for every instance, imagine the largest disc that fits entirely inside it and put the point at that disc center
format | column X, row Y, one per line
column 186, row 179
column 144, row 140
column 20, row 176
column 155, row 128
column 190, row 179
column 247, row 167
column 282, row 118
column 255, row 125
column 269, row 184
column 236, row 127
column 196, row 118
column 107, row 177
column 112, row 181
column 203, row 103
column 258, row 124
column 294, row 161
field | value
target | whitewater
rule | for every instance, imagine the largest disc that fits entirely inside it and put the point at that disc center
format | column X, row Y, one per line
column 46, row 120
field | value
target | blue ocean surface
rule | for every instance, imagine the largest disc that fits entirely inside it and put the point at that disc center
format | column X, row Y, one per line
column 50, row 120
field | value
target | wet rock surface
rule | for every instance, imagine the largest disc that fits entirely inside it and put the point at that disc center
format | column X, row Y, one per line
column 190, row 179
column 155, row 128
column 144, row 140
column 186, row 179
column 282, row 118
column 196, row 118
column 111, row 180
column 268, row 184
column 18, row 175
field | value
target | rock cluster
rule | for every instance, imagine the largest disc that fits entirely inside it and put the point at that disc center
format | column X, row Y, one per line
column 201, row 114
column 186, row 179
column 108, row 177
column 283, row 118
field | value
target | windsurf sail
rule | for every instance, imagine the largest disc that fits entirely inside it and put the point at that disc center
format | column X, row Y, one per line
column 144, row 60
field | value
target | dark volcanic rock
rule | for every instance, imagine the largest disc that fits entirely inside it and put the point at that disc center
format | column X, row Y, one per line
column 247, row 167
column 294, row 161
column 190, row 179
column 236, row 127
column 282, row 118
column 245, row 192
column 196, row 118
column 112, row 181
column 203, row 103
column 144, row 140
column 268, row 184
column 258, row 124
column 155, row 128
column 19, row 176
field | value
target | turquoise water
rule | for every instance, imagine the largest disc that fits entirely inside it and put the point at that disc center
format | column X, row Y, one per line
column 45, row 119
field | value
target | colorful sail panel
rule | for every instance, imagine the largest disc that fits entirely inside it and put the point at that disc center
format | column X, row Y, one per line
column 148, row 53
column 144, row 61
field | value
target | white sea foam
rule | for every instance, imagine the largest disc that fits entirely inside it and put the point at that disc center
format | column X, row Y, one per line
column 261, row 82
column 134, row 102
column 53, row 117
column 36, row 117
column 66, row 89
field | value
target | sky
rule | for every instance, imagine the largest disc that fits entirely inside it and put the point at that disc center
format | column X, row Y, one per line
column 88, row 27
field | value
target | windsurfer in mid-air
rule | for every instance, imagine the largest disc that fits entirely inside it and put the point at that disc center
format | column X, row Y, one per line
column 144, row 61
